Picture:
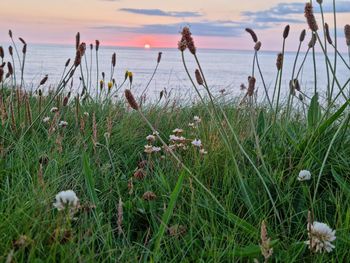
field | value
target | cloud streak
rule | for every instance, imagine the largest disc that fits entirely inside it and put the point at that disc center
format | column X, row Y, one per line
column 204, row 28
column 159, row 12
column 284, row 12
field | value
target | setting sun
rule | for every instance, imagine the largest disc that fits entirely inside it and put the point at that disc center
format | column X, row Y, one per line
column 147, row 46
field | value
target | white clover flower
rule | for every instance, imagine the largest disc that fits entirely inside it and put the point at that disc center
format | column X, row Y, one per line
column 66, row 199
column 304, row 175
column 86, row 114
column 156, row 149
column 151, row 138
column 320, row 237
column 148, row 149
column 63, row 124
column 197, row 143
column 173, row 138
column 54, row 109
column 197, row 119
column 155, row 133
column 177, row 131
column 192, row 125
column 46, row 119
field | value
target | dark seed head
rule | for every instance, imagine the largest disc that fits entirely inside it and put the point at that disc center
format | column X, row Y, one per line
column 199, row 77
column 310, row 18
column 286, row 31
column 97, row 44
column 159, row 57
column 347, row 34
column 312, row 41
column 114, row 58
column 302, row 35
column 77, row 40
column 131, row 100
column 11, row 51
column 2, row 54
column 252, row 33
column 43, row 81
column 328, row 35
column 257, row 46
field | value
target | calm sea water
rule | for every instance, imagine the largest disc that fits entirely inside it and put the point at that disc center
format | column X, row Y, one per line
column 224, row 69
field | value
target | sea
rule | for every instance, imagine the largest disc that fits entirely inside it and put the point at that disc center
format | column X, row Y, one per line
column 225, row 70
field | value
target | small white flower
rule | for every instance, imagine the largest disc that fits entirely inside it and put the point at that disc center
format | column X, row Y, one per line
column 173, row 138
column 197, row 143
column 156, row 149
column 202, row 151
column 177, row 131
column 148, row 149
column 54, row 109
column 320, row 237
column 66, row 199
column 46, row 119
column 197, row 119
column 304, row 175
column 192, row 125
column 86, row 114
column 63, row 124
column 151, row 138
column 155, row 133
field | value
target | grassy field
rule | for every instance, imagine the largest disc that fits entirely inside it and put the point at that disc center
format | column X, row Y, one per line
column 233, row 196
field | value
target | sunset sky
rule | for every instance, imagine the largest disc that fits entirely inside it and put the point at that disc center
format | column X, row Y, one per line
column 215, row 24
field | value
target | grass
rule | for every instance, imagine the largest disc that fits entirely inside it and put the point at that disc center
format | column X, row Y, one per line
column 207, row 207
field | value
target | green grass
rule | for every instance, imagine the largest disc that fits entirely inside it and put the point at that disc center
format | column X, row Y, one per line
column 224, row 232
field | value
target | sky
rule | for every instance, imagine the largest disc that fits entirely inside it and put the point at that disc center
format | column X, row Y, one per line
column 214, row 23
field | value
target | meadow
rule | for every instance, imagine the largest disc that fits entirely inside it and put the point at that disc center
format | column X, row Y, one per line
column 87, row 177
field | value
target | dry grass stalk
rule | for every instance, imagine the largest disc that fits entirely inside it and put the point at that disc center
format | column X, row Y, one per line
column 28, row 110
column 13, row 120
column 120, row 217
column 82, row 125
column 265, row 246
column 94, row 130
column 109, row 125
column 40, row 175
column 59, row 147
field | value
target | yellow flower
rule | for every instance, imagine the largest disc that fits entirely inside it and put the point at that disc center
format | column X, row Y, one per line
column 130, row 76
column 110, row 85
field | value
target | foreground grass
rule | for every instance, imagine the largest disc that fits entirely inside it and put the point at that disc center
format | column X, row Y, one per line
column 199, row 229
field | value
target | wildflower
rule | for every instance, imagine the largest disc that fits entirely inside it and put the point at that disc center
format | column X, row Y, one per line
column 156, row 149
column 63, row 124
column 187, row 36
column 178, row 131
column 46, row 119
column 151, row 138
column 203, row 152
column 54, row 109
column 149, row 196
column 155, row 133
column 86, row 114
column 192, row 125
column 140, row 174
column 310, row 18
column 304, row 175
column 110, row 85
column 66, row 199
column 173, row 138
column 197, row 119
column 130, row 75
column 320, row 237
column 196, row 143
column 148, row 149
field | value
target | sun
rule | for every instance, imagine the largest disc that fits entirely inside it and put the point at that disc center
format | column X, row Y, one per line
column 147, row 46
